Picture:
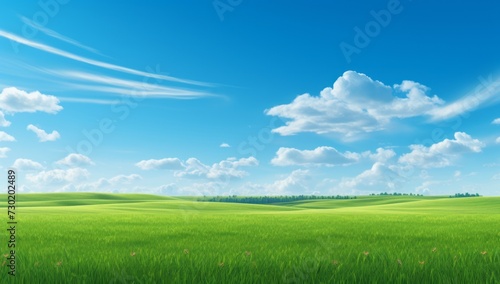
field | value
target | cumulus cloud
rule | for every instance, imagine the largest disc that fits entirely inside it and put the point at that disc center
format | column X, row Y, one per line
column 435, row 186
column 355, row 104
column 381, row 155
column 6, row 137
column 161, row 164
column 228, row 168
column 124, row 179
column 166, row 189
column 194, row 168
column 378, row 176
column 442, row 153
column 324, row 155
column 294, row 183
column 224, row 145
column 3, row 122
column 119, row 183
column 496, row 121
column 13, row 100
column 3, row 152
column 27, row 165
column 58, row 176
column 75, row 160
column 42, row 135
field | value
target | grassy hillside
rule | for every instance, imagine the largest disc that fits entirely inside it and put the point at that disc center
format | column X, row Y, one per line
column 409, row 204
column 108, row 238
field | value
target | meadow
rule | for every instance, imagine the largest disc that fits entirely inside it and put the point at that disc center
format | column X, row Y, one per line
column 113, row 238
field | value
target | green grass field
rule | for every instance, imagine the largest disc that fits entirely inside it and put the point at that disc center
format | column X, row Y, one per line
column 110, row 238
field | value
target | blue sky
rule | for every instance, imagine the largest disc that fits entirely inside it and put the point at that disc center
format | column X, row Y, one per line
column 251, row 97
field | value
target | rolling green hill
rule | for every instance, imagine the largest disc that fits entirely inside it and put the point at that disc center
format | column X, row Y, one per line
column 134, row 238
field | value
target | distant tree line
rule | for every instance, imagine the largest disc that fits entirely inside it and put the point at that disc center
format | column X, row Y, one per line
column 270, row 199
column 396, row 194
column 465, row 195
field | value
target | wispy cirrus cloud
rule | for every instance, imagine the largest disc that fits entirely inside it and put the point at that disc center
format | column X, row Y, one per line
column 121, row 86
column 87, row 101
column 97, row 63
column 57, row 35
column 486, row 92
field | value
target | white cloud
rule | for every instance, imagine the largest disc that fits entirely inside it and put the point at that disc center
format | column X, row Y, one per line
column 438, row 187
column 324, row 155
column 6, row 137
column 56, row 176
column 27, row 165
column 294, row 183
column 486, row 92
column 229, row 168
column 299, row 181
column 42, row 135
column 224, row 145
column 378, row 177
column 62, row 53
column 498, row 140
column 356, row 104
column 496, row 177
column 193, row 168
column 124, row 179
column 3, row 152
column 75, row 160
column 225, row 169
column 496, row 121
column 443, row 153
column 88, row 101
column 166, row 189
column 162, row 164
column 119, row 183
column 56, row 35
column 381, row 155
column 13, row 100
column 114, row 85
column 3, row 122
column 426, row 187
